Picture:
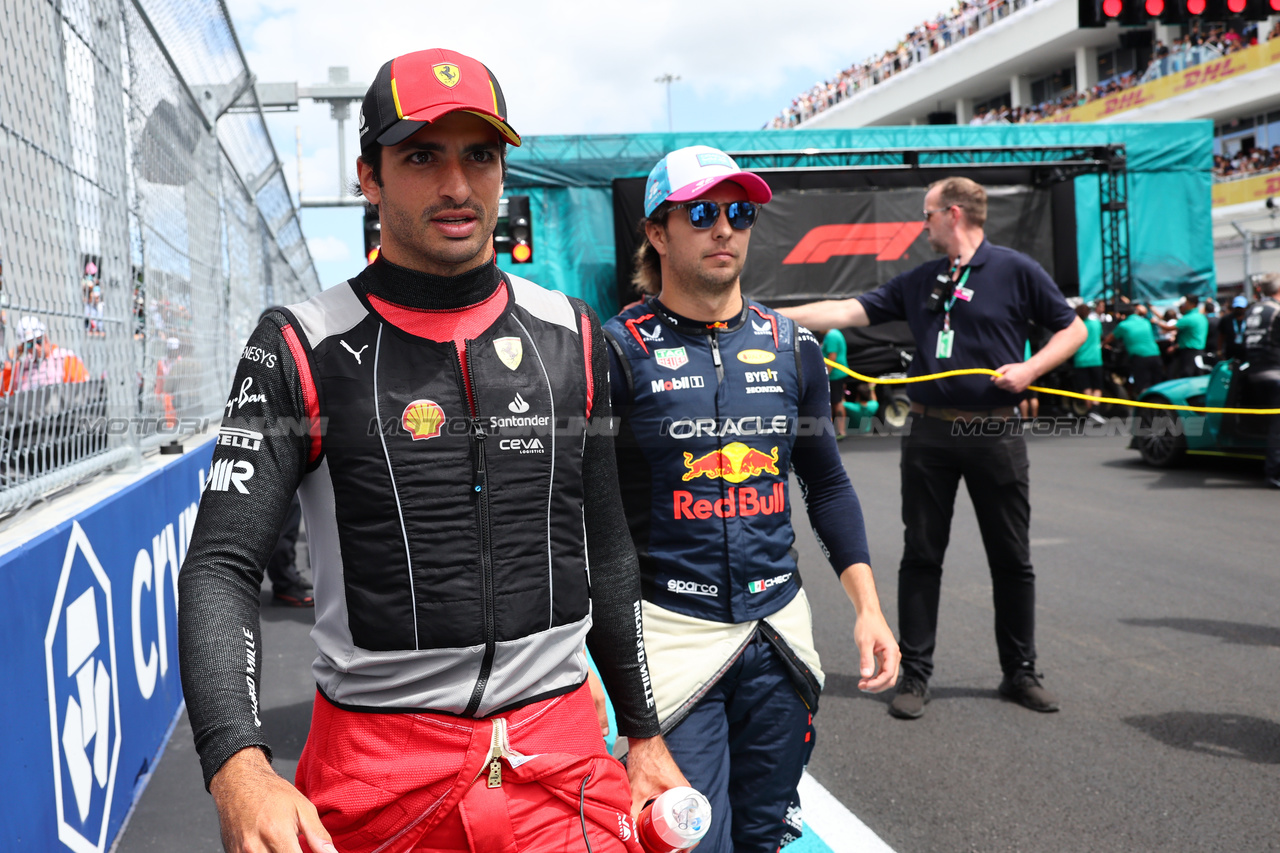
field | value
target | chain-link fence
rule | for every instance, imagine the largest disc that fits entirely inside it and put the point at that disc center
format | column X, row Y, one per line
column 144, row 224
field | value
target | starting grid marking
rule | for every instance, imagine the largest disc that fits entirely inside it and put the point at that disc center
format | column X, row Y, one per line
column 829, row 827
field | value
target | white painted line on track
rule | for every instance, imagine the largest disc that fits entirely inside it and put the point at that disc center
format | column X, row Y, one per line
column 838, row 827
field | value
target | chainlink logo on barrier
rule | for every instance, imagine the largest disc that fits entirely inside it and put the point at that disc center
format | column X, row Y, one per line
column 84, row 697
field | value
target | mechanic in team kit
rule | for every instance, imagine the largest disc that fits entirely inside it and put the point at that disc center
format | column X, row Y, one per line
column 454, row 495
column 717, row 398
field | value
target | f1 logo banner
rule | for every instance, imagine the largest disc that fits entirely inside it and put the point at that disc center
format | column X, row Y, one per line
column 888, row 241
column 88, row 614
column 815, row 244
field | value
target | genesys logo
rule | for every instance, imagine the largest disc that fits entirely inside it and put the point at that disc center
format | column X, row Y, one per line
column 762, row 585
column 691, row 588
column 258, row 356
column 888, row 241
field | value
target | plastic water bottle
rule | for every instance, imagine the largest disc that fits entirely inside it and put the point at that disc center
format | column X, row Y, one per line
column 676, row 820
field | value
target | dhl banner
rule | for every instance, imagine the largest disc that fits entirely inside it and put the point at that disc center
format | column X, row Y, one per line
column 1187, row 80
column 1256, row 188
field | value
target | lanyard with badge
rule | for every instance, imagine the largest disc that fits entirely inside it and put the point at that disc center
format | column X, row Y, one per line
column 946, row 337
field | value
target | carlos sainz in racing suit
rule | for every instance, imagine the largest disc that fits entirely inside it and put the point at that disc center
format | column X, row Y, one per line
column 718, row 398
column 463, row 518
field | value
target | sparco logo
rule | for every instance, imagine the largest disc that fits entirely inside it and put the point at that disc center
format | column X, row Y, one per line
column 691, row 588
column 84, row 697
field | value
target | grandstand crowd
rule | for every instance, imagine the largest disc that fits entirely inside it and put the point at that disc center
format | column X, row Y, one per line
column 970, row 16
column 928, row 38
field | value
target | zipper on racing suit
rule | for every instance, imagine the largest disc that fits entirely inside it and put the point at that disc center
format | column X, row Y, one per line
column 481, row 485
column 715, row 356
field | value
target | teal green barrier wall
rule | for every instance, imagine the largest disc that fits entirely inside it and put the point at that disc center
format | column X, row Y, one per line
column 1171, row 247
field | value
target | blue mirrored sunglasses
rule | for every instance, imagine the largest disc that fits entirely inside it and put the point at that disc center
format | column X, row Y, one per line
column 703, row 214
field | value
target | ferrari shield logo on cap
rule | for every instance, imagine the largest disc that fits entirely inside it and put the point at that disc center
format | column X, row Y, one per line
column 448, row 74
column 510, row 350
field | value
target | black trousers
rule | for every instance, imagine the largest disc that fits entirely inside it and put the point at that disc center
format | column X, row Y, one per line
column 1186, row 362
column 1264, row 393
column 1147, row 370
column 935, row 456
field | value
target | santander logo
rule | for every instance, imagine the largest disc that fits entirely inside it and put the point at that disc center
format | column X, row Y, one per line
column 888, row 241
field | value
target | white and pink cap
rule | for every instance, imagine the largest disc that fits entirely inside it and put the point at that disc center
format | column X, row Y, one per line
column 687, row 173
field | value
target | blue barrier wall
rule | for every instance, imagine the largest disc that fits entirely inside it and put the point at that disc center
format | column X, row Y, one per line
column 89, row 628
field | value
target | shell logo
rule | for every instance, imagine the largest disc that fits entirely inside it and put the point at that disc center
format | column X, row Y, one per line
column 756, row 356
column 422, row 419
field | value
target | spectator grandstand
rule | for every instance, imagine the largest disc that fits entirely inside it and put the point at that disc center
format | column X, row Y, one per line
column 928, row 38
column 969, row 17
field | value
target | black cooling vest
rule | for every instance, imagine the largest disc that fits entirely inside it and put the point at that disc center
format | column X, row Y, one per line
column 458, row 521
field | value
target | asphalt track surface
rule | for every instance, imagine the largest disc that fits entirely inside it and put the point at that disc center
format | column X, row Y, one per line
column 1158, row 626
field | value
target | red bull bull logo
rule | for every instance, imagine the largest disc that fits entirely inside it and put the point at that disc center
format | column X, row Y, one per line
column 733, row 463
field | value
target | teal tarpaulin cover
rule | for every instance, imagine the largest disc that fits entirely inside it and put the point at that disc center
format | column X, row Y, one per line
column 568, row 179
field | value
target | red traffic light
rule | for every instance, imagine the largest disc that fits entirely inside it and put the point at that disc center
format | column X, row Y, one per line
column 1275, row 5
column 1236, row 6
column 1195, row 7
column 1112, row 8
column 1155, row 7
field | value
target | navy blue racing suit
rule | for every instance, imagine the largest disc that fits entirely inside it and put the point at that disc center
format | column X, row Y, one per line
column 712, row 418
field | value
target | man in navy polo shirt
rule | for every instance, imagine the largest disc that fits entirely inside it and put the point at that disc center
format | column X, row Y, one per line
column 969, row 310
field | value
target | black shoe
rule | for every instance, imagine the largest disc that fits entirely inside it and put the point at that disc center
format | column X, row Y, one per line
column 293, row 595
column 913, row 695
column 1024, row 687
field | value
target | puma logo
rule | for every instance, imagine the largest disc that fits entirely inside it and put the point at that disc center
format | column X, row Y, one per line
column 348, row 348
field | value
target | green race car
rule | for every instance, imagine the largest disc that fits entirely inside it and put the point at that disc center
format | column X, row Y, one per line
column 1166, row 437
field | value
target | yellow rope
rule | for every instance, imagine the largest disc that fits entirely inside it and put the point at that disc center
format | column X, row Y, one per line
column 1115, row 401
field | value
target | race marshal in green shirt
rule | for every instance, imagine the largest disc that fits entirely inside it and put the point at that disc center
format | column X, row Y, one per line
column 1138, row 337
column 1087, row 362
column 1192, row 329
